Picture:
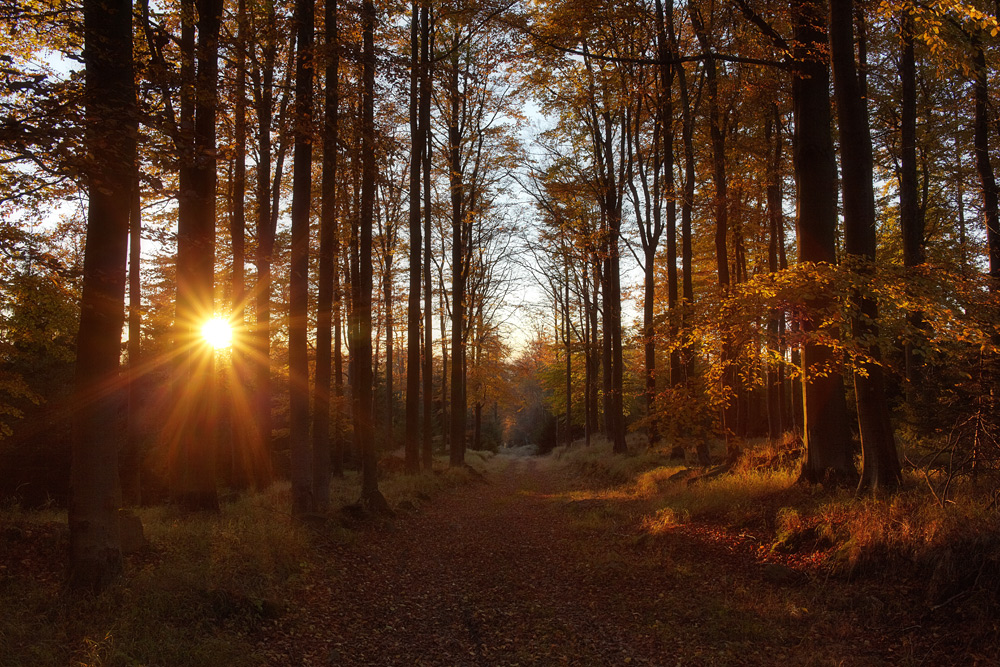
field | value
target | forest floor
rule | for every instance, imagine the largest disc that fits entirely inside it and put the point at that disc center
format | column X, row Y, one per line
column 531, row 566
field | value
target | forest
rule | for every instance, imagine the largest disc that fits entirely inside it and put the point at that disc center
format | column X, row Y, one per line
column 286, row 275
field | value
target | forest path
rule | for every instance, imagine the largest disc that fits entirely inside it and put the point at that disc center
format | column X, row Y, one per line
column 529, row 567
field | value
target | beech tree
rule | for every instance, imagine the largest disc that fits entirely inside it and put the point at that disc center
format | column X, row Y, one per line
column 193, row 484
column 327, row 324
column 880, row 464
column 298, row 319
column 364, row 427
column 111, row 131
column 825, row 433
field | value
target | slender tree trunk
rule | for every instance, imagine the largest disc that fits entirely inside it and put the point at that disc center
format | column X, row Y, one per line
column 984, row 166
column 568, row 342
column 445, row 421
column 364, row 429
column 424, row 122
column 321, row 452
column 687, row 203
column 880, row 464
column 588, row 356
column 194, row 480
column 417, row 140
column 389, row 420
column 827, row 438
column 241, row 428
column 298, row 302
column 95, row 558
column 458, row 274
column 717, row 133
column 665, row 120
column 259, row 452
column 131, row 455
column 911, row 215
column 776, row 238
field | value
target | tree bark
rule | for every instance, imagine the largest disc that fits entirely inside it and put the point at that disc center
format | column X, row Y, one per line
column 259, row 456
column 417, row 140
column 911, row 215
column 458, row 272
column 880, row 463
column 371, row 497
column 424, row 121
column 826, row 436
column 241, row 428
column 327, row 265
column 984, row 166
column 298, row 287
column 130, row 468
column 194, row 461
column 95, row 558
column 776, row 239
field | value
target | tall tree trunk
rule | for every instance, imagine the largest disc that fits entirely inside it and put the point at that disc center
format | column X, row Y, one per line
column 424, row 121
column 388, row 421
column 665, row 120
column 776, row 238
column 321, row 459
column 442, row 306
column 597, row 345
column 95, row 558
column 241, row 428
column 589, row 380
column 984, row 166
column 568, row 341
column 612, row 306
column 717, row 134
column 259, row 456
column 130, row 468
column 880, row 464
column 458, row 273
column 827, row 438
column 364, row 426
column 298, row 286
column 194, row 480
column 417, row 140
column 911, row 215
column 687, row 204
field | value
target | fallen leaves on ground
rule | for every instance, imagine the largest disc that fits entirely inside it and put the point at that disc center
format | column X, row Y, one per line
column 513, row 571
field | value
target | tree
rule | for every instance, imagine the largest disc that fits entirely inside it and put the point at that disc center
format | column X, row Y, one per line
column 880, row 464
column 825, row 433
column 424, row 121
column 328, row 255
column 364, row 431
column 418, row 141
column 193, row 484
column 298, row 316
column 111, row 121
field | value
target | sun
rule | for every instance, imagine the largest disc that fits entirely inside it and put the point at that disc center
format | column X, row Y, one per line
column 217, row 333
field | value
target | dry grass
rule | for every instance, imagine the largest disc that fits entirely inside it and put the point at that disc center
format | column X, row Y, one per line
column 958, row 541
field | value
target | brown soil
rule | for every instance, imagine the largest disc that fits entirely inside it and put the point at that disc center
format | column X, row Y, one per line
column 517, row 570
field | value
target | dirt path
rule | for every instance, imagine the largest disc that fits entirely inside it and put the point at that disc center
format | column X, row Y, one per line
column 514, row 571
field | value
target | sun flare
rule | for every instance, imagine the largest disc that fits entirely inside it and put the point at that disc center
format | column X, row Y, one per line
column 217, row 333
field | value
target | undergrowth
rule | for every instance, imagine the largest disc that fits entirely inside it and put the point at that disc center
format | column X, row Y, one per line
column 195, row 596
column 951, row 548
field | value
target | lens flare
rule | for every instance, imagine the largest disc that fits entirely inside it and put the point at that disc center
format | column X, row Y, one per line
column 217, row 333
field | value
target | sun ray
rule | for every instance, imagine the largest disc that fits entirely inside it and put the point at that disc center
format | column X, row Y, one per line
column 218, row 333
